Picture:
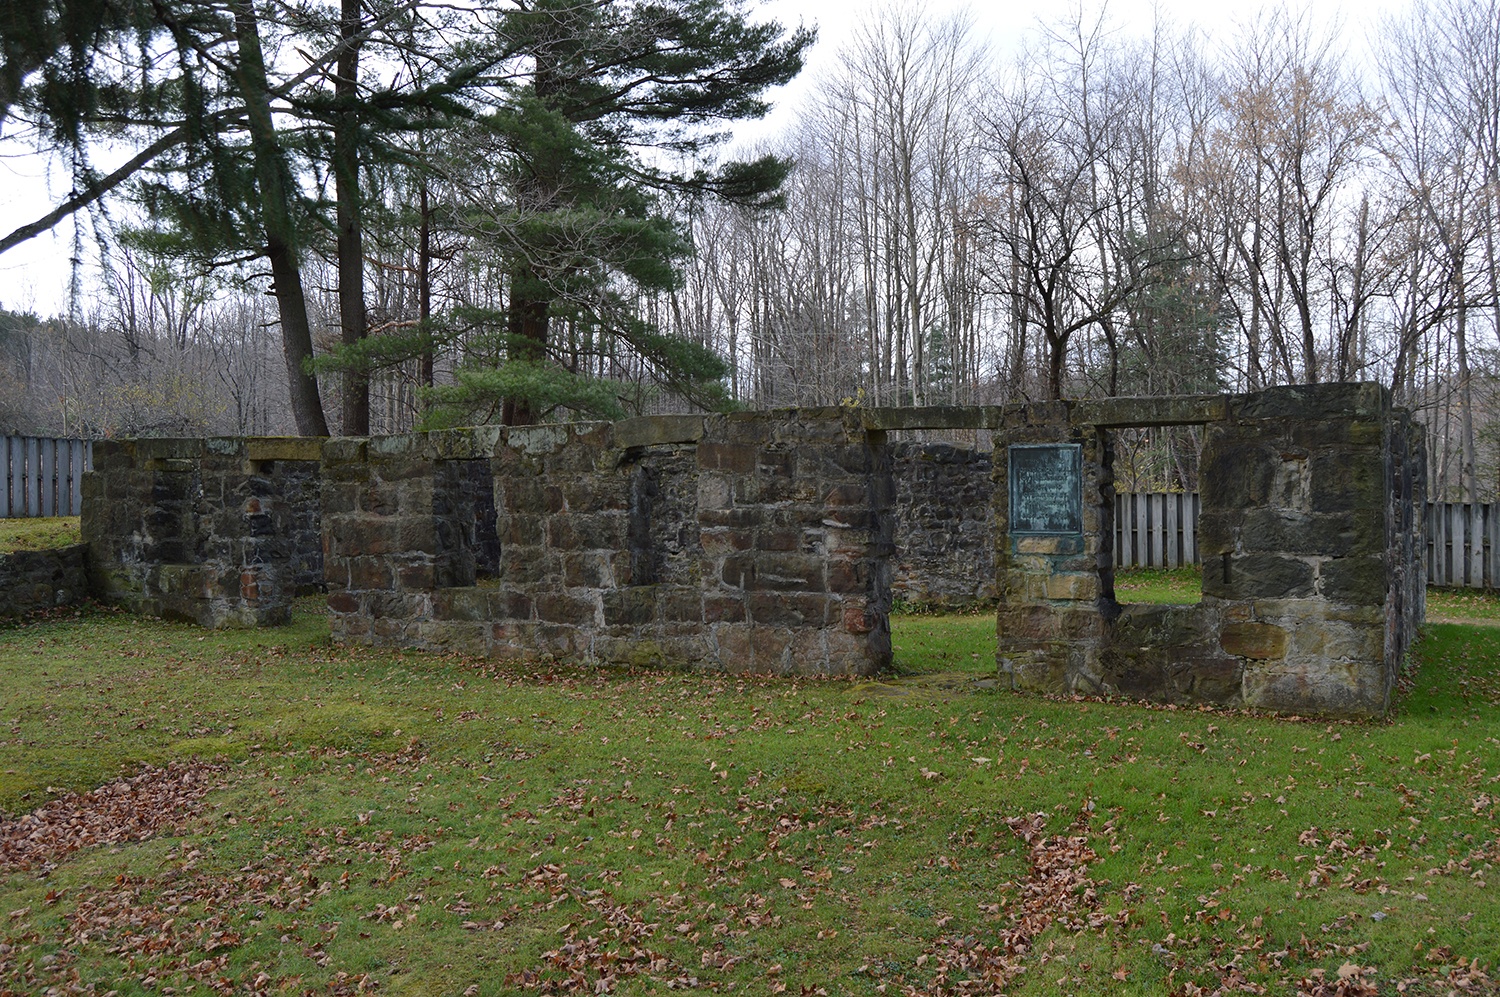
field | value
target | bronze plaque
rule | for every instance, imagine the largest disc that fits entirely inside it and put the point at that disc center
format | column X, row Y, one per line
column 1046, row 488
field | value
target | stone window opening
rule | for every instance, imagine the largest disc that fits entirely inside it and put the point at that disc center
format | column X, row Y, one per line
column 1148, row 516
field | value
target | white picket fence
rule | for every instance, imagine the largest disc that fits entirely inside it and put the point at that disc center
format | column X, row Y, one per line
column 1156, row 529
column 42, row 477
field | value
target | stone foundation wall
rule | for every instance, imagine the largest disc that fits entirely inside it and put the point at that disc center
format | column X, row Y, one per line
column 751, row 542
column 221, row 532
column 945, row 538
column 32, row 580
column 766, row 542
column 1310, row 547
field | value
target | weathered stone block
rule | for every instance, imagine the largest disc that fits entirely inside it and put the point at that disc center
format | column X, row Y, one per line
column 788, row 572
column 657, row 430
column 680, row 604
column 1336, row 688
column 1248, row 576
column 1075, row 586
column 719, row 608
column 720, row 541
column 510, row 604
column 848, row 575
column 735, row 458
column 1354, row 579
column 779, row 539
column 455, row 637
column 530, row 565
column 858, row 617
column 1254, row 640
column 369, row 572
column 587, row 531
column 588, row 570
column 1348, row 480
column 635, row 606
column 1046, row 545
column 342, row 602
column 788, row 609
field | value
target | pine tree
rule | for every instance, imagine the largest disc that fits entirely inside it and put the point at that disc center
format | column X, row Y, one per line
column 607, row 97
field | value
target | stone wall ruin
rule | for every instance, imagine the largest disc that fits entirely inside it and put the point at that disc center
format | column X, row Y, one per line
column 945, row 541
column 766, row 542
column 1313, row 584
column 749, row 542
column 219, row 532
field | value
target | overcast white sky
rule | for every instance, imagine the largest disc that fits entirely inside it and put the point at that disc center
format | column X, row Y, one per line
column 34, row 276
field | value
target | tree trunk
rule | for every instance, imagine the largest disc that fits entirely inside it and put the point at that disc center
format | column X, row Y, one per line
column 424, row 282
column 351, row 257
column 528, row 335
column 275, row 184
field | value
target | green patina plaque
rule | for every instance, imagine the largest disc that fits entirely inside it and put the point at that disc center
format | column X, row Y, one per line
column 1046, row 488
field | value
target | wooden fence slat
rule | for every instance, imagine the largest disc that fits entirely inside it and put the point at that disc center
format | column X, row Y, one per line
column 1456, row 543
column 30, row 481
column 1436, row 533
column 1475, row 529
column 16, row 459
column 1142, row 531
column 47, row 477
column 1154, row 506
column 1426, row 514
column 4, row 477
column 1440, row 542
column 1160, row 529
column 1473, row 547
column 1491, row 544
column 1445, row 553
column 1172, row 525
column 1445, row 540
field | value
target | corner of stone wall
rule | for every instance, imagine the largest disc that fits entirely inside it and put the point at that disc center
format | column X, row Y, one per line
column 218, row 531
column 36, row 580
column 1311, row 562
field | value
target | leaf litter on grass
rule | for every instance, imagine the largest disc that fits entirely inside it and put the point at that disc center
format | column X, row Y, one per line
column 437, row 825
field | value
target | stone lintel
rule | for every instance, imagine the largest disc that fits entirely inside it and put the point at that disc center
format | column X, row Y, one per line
column 345, row 449
column 932, row 417
column 657, row 430
column 1178, row 410
column 420, row 445
column 309, row 448
column 468, row 443
column 1354, row 400
column 169, row 449
column 540, row 439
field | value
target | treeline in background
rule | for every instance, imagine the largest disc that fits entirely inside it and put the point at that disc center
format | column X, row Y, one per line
column 1117, row 210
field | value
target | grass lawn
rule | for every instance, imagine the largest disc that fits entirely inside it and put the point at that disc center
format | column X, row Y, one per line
column 41, row 533
column 1185, row 585
column 328, row 821
column 1170, row 586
